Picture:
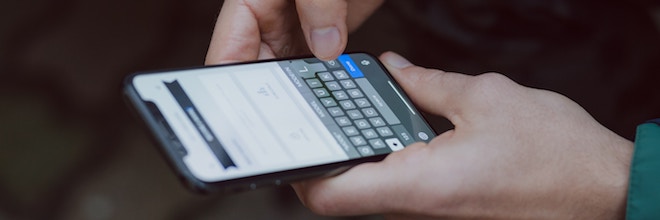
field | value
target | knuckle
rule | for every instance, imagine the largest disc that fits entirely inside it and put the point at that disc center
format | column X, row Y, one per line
column 491, row 84
column 492, row 80
column 424, row 76
column 320, row 205
column 318, row 198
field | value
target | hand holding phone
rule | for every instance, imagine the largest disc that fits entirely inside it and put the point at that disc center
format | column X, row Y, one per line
column 241, row 126
column 515, row 153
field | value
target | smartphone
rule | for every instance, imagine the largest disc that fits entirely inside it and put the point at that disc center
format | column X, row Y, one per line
column 242, row 126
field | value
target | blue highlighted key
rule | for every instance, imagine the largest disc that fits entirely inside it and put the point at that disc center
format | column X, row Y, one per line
column 350, row 66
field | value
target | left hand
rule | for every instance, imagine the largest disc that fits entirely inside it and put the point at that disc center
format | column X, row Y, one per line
column 261, row 29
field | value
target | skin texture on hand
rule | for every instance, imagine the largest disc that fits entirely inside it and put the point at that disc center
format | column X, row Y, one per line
column 515, row 153
column 261, row 29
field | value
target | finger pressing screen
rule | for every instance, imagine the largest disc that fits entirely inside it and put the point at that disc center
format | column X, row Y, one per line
column 324, row 25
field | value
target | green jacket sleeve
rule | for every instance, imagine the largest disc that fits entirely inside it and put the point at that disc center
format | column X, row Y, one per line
column 644, row 184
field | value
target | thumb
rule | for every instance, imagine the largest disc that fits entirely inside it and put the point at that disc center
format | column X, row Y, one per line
column 435, row 91
column 324, row 25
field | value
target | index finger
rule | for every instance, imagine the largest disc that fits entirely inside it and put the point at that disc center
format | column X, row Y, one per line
column 378, row 187
column 235, row 36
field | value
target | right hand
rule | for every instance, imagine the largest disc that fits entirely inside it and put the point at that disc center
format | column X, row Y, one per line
column 514, row 153
column 261, row 29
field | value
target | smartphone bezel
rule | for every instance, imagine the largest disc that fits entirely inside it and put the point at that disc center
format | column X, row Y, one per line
column 174, row 159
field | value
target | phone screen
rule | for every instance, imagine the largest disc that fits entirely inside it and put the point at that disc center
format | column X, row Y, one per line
column 243, row 120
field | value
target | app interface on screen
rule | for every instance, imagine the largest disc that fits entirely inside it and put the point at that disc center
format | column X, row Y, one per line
column 243, row 120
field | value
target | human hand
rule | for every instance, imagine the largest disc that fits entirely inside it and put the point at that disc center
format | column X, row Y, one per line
column 260, row 29
column 515, row 153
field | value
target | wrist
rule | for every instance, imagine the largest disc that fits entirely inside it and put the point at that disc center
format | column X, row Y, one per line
column 616, row 188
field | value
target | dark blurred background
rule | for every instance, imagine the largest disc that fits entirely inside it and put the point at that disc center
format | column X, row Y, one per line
column 69, row 149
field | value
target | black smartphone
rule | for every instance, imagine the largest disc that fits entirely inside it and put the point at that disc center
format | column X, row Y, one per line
column 241, row 126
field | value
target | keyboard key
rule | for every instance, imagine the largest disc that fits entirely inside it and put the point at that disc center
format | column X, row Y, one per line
column 342, row 139
column 377, row 143
column 403, row 134
column 325, row 76
column 354, row 114
column 384, row 131
column 348, row 84
column 369, row 133
column 333, row 64
column 328, row 102
column 365, row 150
column 343, row 121
column 333, row 86
column 355, row 93
column 358, row 140
column 394, row 144
column 341, row 74
column 314, row 83
column 377, row 121
column 306, row 70
column 362, row 102
column 362, row 124
column 350, row 131
column 369, row 112
column 347, row 104
column 340, row 95
column 335, row 111
column 321, row 92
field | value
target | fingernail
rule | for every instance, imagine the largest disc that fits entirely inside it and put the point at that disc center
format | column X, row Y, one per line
column 325, row 41
column 395, row 60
